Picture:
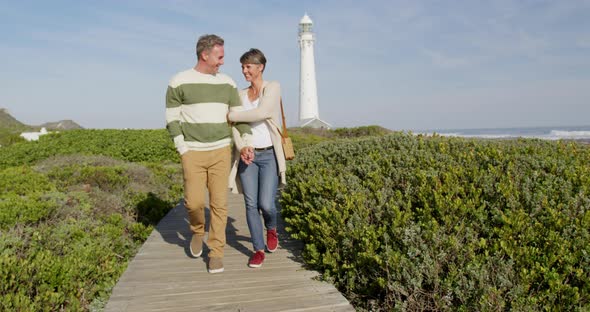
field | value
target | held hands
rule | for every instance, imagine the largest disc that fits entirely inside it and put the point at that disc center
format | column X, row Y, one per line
column 247, row 155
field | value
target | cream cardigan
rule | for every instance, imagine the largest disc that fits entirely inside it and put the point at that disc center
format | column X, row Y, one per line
column 269, row 109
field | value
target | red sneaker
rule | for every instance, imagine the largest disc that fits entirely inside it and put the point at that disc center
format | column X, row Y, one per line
column 272, row 240
column 257, row 259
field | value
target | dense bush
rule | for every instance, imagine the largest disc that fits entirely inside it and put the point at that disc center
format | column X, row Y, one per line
column 70, row 221
column 306, row 137
column 10, row 136
column 129, row 145
column 361, row 132
column 408, row 222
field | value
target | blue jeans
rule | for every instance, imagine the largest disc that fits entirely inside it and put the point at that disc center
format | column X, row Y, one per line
column 260, row 181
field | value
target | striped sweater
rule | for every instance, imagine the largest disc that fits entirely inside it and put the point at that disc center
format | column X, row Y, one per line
column 196, row 108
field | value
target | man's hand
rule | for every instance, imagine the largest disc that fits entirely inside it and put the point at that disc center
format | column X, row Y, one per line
column 247, row 154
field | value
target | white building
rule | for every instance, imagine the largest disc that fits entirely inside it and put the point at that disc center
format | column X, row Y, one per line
column 309, row 115
column 33, row 136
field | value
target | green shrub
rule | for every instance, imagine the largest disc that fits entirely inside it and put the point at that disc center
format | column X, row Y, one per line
column 408, row 222
column 361, row 131
column 66, row 265
column 306, row 137
column 150, row 208
column 9, row 137
column 18, row 209
column 70, row 224
column 23, row 180
column 128, row 145
column 302, row 140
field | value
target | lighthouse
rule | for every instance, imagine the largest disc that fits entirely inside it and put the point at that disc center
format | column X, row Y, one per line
column 309, row 115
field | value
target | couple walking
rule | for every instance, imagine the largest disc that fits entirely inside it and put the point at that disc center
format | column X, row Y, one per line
column 204, row 113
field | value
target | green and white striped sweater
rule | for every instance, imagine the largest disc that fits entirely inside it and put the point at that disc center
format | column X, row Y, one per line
column 196, row 110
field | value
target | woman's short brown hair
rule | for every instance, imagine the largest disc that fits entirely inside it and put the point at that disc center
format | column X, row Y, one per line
column 253, row 56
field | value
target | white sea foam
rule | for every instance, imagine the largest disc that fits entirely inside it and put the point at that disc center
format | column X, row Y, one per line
column 465, row 135
column 561, row 134
column 480, row 136
column 547, row 134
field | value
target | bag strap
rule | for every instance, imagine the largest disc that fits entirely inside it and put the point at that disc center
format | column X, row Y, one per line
column 283, row 133
column 274, row 124
column 286, row 135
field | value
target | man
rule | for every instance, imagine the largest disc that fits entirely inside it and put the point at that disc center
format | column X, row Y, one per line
column 197, row 102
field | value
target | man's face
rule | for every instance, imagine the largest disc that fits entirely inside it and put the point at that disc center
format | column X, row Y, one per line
column 214, row 59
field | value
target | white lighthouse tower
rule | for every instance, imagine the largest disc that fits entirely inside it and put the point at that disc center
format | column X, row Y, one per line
column 308, row 95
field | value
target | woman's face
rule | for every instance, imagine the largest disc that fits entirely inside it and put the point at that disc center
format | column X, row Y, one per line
column 252, row 71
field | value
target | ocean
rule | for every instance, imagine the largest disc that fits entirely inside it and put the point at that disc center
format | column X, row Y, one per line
column 546, row 133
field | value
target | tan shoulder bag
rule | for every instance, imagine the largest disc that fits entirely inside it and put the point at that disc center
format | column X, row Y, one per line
column 285, row 139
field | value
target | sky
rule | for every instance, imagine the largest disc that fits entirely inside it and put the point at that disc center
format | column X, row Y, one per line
column 404, row 65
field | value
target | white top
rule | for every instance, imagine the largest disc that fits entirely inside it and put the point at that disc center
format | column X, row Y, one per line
column 305, row 20
column 260, row 131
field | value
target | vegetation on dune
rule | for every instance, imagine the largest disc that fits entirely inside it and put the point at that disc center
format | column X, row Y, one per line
column 74, row 208
column 128, row 145
column 10, row 129
column 405, row 222
column 395, row 221
column 306, row 137
column 70, row 220
column 9, row 137
column 9, row 122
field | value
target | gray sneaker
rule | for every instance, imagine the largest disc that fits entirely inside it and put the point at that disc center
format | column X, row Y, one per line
column 215, row 265
column 196, row 246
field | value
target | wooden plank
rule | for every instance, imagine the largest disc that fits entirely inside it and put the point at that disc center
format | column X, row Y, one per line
column 259, row 303
column 164, row 277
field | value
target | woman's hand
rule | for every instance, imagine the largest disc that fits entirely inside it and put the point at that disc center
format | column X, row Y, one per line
column 247, row 155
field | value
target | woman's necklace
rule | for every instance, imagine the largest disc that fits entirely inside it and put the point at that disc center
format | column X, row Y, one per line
column 254, row 93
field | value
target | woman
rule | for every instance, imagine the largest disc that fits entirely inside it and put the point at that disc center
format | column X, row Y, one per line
column 260, row 177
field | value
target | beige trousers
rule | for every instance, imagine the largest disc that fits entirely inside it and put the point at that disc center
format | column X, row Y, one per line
column 207, row 170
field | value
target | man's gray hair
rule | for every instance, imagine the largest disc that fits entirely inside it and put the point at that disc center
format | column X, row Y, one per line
column 207, row 42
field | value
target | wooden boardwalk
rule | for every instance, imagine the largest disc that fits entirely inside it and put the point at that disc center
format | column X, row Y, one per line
column 163, row 277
